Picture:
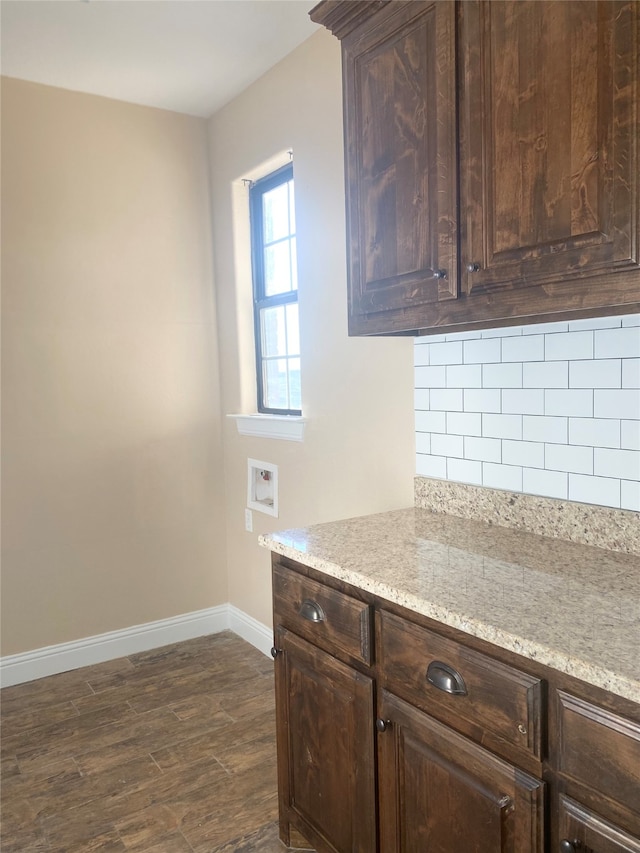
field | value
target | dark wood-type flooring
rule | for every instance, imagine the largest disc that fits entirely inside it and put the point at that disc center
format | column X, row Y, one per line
column 166, row 751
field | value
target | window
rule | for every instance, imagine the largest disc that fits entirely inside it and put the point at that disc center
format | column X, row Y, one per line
column 275, row 293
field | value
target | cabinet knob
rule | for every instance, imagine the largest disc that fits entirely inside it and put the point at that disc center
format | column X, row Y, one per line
column 473, row 267
column 439, row 273
column 382, row 725
column 311, row 611
column 274, row 652
column 567, row 846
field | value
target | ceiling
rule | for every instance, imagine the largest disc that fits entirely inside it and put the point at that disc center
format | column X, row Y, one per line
column 190, row 56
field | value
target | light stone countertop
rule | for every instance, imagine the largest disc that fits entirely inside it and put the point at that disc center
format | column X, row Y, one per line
column 573, row 607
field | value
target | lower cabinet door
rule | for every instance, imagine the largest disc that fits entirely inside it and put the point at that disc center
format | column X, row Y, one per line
column 325, row 734
column 441, row 793
column 582, row 831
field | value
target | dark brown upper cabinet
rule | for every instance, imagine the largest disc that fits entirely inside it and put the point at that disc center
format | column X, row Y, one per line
column 491, row 161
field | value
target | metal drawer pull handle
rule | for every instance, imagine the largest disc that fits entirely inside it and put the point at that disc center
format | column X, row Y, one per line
column 445, row 677
column 311, row 611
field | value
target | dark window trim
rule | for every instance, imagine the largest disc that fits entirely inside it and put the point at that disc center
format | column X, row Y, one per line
column 256, row 191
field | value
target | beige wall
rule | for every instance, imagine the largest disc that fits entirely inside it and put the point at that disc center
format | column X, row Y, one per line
column 112, row 473
column 358, row 452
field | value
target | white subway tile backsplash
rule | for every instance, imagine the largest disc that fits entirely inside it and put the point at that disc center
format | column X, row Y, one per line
column 464, row 423
column 464, row 376
column 630, row 435
column 481, row 400
column 525, row 453
column 420, row 354
column 545, row 374
column 502, row 426
column 431, row 377
column 502, row 376
column 482, row 351
column 631, row 373
column 596, row 432
column 446, row 399
column 506, row 332
column 447, row 445
column 624, row 464
column 596, row 373
column 421, row 398
column 551, row 484
column 631, row 320
column 617, row 343
column 523, row 402
column 431, row 466
column 572, row 403
column 569, row 346
column 616, row 404
column 547, row 429
column 594, row 490
column 502, row 476
column 525, row 348
column 571, row 458
column 464, row 471
column 595, row 323
column 551, row 409
column 483, row 449
column 423, row 442
column 447, row 352
column 462, row 336
column 630, row 495
column 539, row 328
column 431, row 421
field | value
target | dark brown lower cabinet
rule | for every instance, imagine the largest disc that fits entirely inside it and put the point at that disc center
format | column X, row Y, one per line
column 582, row 831
column 441, row 793
column 325, row 748
column 473, row 749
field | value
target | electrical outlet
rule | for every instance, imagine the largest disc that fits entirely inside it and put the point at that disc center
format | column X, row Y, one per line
column 248, row 520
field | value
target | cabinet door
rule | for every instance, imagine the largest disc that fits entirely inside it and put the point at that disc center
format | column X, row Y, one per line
column 440, row 792
column 549, row 155
column 581, row 831
column 325, row 734
column 400, row 138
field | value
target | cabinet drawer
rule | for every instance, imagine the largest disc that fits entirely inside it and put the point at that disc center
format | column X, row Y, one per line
column 496, row 704
column 591, row 832
column 332, row 620
column 599, row 748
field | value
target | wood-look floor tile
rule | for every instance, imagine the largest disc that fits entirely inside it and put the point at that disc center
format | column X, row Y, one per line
column 263, row 840
column 253, row 754
column 210, row 743
column 23, row 720
column 261, row 705
column 145, row 827
column 246, row 802
column 174, row 842
column 167, row 751
column 72, row 736
column 204, row 705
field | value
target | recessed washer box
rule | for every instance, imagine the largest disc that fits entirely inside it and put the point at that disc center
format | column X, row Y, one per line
column 262, row 486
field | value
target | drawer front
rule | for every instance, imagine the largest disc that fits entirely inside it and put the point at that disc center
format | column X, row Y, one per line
column 600, row 749
column 496, row 704
column 578, row 824
column 332, row 620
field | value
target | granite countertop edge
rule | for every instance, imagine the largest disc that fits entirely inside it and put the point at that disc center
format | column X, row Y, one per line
column 570, row 662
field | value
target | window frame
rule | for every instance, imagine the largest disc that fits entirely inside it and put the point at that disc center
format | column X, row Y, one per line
column 257, row 190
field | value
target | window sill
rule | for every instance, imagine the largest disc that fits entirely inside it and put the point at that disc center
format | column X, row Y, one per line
column 285, row 427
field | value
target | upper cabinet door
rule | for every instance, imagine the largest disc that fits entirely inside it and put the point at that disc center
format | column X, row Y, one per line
column 549, row 151
column 401, row 167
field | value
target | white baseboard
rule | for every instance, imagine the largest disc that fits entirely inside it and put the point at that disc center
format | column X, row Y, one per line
column 16, row 669
column 251, row 630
